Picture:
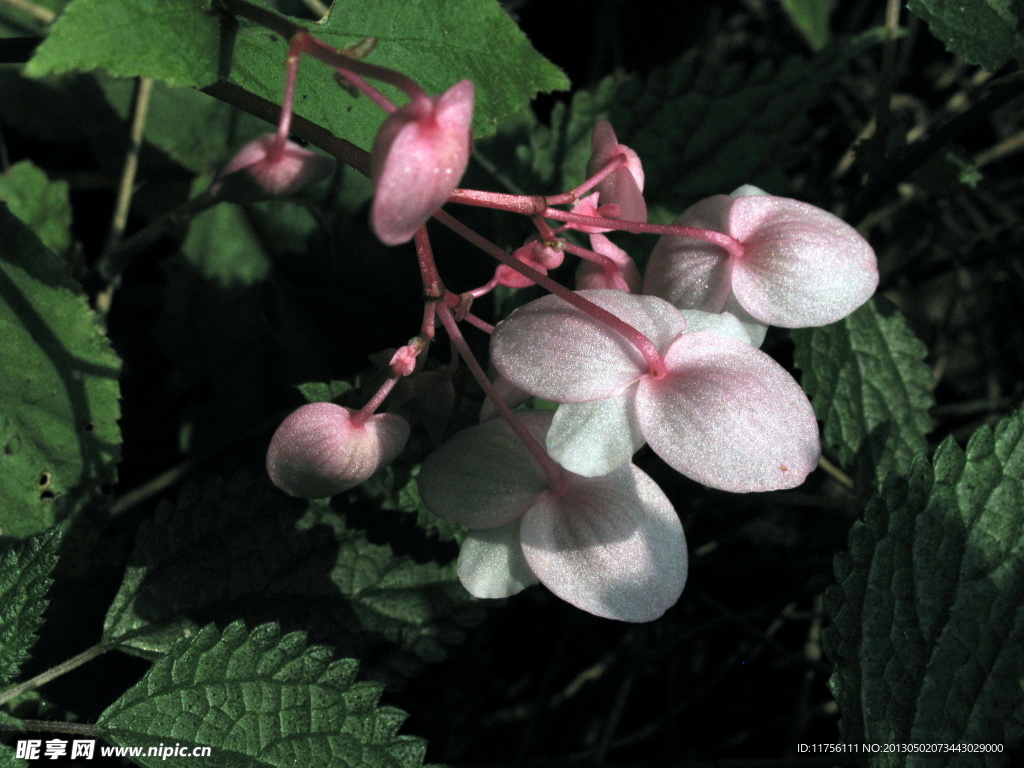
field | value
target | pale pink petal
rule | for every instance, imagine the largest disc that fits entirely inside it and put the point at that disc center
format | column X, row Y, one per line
column 623, row 186
column 491, row 563
column 692, row 273
column 729, row 416
column 509, row 393
column 754, row 327
column 592, row 439
column 622, row 275
column 801, row 266
column 318, row 451
column 612, row 546
column 555, row 351
column 725, row 323
column 484, row 477
column 419, row 157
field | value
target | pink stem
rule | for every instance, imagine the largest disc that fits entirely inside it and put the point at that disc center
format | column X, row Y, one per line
column 554, row 473
column 368, row 410
column 645, row 346
column 577, row 192
column 287, row 102
column 585, row 253
column 730, row 244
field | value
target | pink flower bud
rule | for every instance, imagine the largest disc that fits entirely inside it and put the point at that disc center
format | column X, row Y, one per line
column 625, row 185
column 270, row 167
column 319, row 450
column 419, row 157
column 534, row 253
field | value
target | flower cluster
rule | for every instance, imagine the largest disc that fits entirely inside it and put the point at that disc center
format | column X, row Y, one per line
column 671, row 359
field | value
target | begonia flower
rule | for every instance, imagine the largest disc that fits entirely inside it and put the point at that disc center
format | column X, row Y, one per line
column 625, row 185
column 723, row 413
column 622, row 274
column 418, row 159
column 271, row 167
column 797, row 266
column 612, row 546
column 320, row 450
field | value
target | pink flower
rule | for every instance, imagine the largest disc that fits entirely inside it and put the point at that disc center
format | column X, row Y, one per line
column 419, row 157
column 612, row 546
column 800, row 266
column 625, row 185
column 622, row 275
column 319, row 450
column 271, row 167
column 724, row 414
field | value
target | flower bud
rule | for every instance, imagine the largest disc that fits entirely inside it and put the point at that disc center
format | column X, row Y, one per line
column 319, row 450
column 419, row 157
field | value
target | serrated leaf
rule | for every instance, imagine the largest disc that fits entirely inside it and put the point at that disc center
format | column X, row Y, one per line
column 869, row 385
column 176, row 41
column 437, row 44
column 42, row 204
column 25, row 569
column 984, row 32
column 928, row 613
column 260, row 699
column 811, row 18
column 244, row 550
column 59, row 438
column 699, row 127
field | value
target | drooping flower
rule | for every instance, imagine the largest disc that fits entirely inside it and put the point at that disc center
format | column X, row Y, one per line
column 319, row 450
column 270, row 167
column 418, row 159
column 800, row 266
column 724, row 413
column 625, row 185
column 611, row 545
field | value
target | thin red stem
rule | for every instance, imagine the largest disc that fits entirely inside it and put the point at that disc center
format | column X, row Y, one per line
column 730, row 244
column 585, row 253
column 554, row 473
column 645, row 346
column 576, row 192
column 373, row 404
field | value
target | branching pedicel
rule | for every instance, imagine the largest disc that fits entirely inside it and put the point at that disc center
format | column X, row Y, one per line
column 554, row 497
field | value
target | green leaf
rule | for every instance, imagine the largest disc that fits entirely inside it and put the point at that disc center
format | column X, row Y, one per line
column 179, row 42
column 811, row 18
column 699, row 127
column 928, row 613
column 59, row 438
column 223, row 245
column 25, row 568
column 176, row 41
column 260, row 699
column 869, row 384
column 984, row 32
column 242, row 549
column 9, row 759
column 40, row 203
column 437, row 44
column 194, row 129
